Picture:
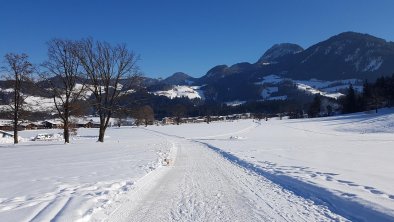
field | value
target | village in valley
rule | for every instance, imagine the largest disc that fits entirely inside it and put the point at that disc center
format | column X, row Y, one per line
column 6, row 126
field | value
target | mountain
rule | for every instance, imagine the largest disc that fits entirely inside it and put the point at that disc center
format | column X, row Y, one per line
column 222, row 71
column 178, row 78
column 278, row 51
column 348, row 55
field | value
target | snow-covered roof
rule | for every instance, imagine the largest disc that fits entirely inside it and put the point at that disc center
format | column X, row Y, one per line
column 55, row 122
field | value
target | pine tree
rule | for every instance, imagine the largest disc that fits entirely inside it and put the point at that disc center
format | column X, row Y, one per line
column 350, row 101
column 314, row 108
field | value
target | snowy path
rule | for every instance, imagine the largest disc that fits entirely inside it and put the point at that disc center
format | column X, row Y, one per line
column 200, row 185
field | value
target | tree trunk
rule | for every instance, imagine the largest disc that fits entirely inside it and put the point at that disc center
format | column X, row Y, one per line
column 15, row 129
column 101, row 133
column 16, row 118
column 66, row 133
column 66, row 127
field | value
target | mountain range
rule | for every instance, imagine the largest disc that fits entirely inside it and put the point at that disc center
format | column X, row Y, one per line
column 346, row 56
column 286, row 71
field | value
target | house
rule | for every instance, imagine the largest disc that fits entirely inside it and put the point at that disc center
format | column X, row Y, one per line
column 126, row 122
column 52, row 124
column 217, row 118
column 188, row 120
column 232, row 117
column 6, row 125
column 85, row 123
column 96, row 124
column 245, row 116
column 27, row 126
column 168, row 120
column 199, row 120
column 96, row 121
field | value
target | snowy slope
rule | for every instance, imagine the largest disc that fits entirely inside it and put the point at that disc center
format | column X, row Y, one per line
column 45, row 104
column 266, row 93
column 191, row 92
column 235, row 103
column 331, row 89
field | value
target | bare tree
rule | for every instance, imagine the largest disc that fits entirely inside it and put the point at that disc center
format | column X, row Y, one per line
column 110, row 69
column 18, row 70
column 148, row 114
column 179, row 111
column 144, row 115
column 67, row 87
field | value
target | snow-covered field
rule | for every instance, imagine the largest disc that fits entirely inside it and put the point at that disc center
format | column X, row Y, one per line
column 329, row 169
column 344, row 161
column 41, row 181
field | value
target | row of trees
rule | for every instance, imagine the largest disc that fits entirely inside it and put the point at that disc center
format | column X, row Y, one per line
column 374, row 96
column 73, row 70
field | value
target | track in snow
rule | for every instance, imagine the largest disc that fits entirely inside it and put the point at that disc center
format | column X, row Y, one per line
column 201, row 185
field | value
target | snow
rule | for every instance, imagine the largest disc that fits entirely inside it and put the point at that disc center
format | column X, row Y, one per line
column 191, row 92
column 325, row 169
column 38, row 103
column 49, row 180
column 315, row 83
column 35, row 103
column 284, row 97
column 373, row 64
column 235, row 103
column 86, row 93
column 328, row 88
column 313, row 86
column 354, row 56
column 272, row 79
column 314, row 91
column 201, row 185
column 44, row 104
column 268, row 91
column 8, row 90
column 345, row 161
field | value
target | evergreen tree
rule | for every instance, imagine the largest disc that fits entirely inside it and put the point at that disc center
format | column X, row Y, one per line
column 367, row 99
column 350, row 101
column 314, row 108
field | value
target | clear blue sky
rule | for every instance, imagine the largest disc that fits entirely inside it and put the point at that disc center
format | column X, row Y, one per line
column 188, row 35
